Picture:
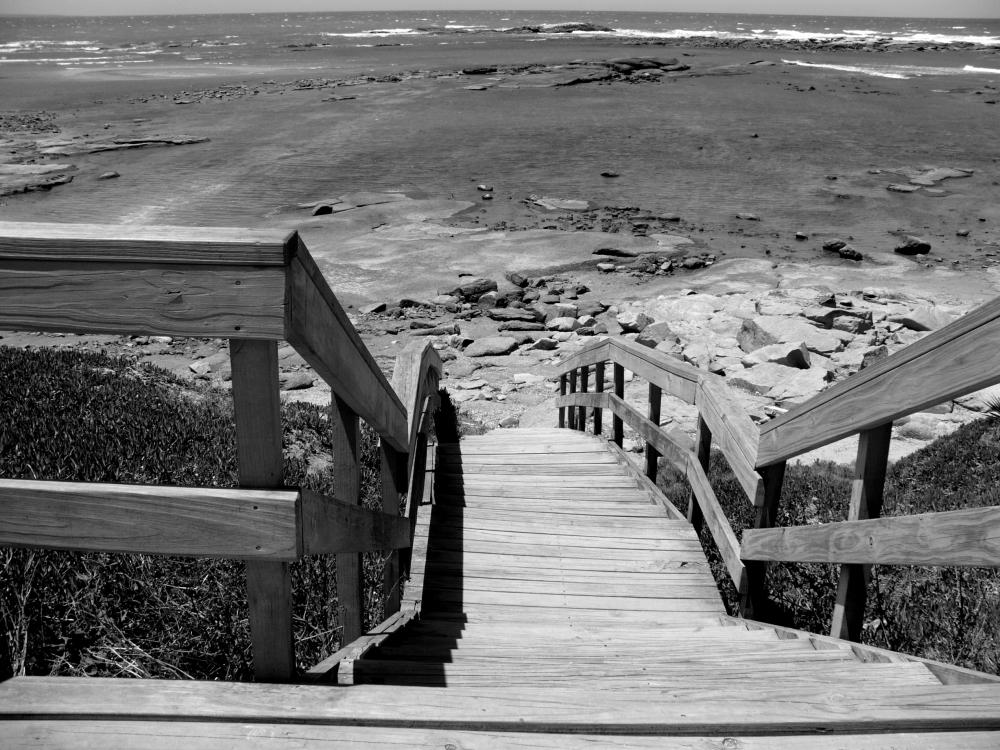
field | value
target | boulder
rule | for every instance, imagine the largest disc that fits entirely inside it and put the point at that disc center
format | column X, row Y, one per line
column 748, row 216
column 563, row 325
column 874, row 354
column 913, row 246
column 521, row 325
column 693, row 263
column 444, row 299
column 655, row 334
column 849, row 253
column 633, row 321
column 488, row 301
column 516, row 279
column 699, row 354
column 590, row 307
column 834, row 245
column 587, row 321
column 671, row 349
column 800, row 385
column 789, row 354
column 762, row 378
column 528, row 378
column 925, row 318
column 981, row 401
column 509, row 422
column 851, row 321
column 759, row 332
column 513, row 313
column 297, row 381
column 494, row 346
column 565, row 310
column 616, row 252
column 377, row 307
column 544, row 345
column 461, row 368
column 445, row 330
column 108, row 176
column 471, row 291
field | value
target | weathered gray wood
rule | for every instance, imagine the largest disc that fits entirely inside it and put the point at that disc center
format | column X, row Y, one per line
column 581, row 417
column 572, row 389
column 866, row 502
column 617, row 426
column 703, row 454
column 562, row 392
column 594, row 352
column 755, row 602
column 393, row 474
column 599, row 388
column 150, row 519
column 345, row 438
column 160, row 299
column 317, row 326
column 582, row 400
column 260, row 460
column 671, row 444
column 949, row 362
column 734, row 432
column 671, row 375
column 124, row 243
column 718, row 524
column 332, row 526
column 652, row 455
column 415, row 377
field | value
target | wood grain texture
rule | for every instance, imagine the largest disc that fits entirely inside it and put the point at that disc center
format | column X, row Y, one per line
column 677, row 378
column 345, row 439
column 592, row 353
column 581, row 417
column 756, row 602
column 415, row 377
column 160, row 299
column 393, row 476
column 653, row 414
column 950, row 362
column 961, row 538
column 318, row 328
column 149, row 519
column 717, row 523
column 331, row 526
column 734, row 432
column 119, row 243
column 257, row 405
column 671, row 444
column 617, row 425
column 644, row 483
column 599, row 388
column 703, row 454
column 591, row 400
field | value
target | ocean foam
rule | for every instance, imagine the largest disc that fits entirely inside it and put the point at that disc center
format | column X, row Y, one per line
column 974, row 69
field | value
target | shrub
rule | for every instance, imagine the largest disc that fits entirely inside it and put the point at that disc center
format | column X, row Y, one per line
column 90, row 417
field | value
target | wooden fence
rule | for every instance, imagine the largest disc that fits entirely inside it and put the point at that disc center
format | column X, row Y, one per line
column 961, row 358
column 253, row 287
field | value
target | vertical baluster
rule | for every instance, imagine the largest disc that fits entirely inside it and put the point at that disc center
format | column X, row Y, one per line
column 654, row 416
column 754, row 601
column 616, row 422
column 581, row 417
column 598, row 388
column 345, row 436
column 703, row 447
column 866, row 502
column 256, row 401
column 393, row 485
column 562, row 392
column 572, row 409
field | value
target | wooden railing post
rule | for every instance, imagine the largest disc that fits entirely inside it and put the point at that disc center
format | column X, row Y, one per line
column 866, row 502
column 562, row 392
column 345, row 436
column 393, row 482
column 598, row 388
column 754, row 602
column 256, row 399
column 652, row 455
column 581, row 416
column 617, row 426
column 703, row 449
column 572, row 389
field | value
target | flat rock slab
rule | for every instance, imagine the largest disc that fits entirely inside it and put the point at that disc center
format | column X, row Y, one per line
column 495, row 346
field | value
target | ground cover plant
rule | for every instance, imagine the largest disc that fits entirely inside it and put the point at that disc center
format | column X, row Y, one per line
column 90, row 417
column 948, row 614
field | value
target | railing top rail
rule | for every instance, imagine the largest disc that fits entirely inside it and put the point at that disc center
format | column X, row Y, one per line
column 228, row 246
column 955, row 360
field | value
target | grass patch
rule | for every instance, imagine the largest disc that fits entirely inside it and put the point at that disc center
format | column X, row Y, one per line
column 949, row 614
column 90, row 417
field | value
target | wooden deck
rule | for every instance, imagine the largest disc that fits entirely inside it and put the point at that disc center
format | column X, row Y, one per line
column 556, row 604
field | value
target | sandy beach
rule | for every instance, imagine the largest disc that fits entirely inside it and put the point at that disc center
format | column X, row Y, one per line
column 708, row 172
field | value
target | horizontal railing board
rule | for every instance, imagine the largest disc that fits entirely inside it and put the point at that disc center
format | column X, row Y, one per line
column 228, row 246
column 734, row 432
column 318, row 328
column 721, row 712
column 955, row 360
column 959, row 537
column 595, row 352
column 158, row 299
column 718, row 524
column 672, row 445
column 677, row 378
column 589, row 400
column 332, row 526
column 155, row 520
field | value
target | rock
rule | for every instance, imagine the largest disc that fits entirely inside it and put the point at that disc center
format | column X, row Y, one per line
column 609, row 173
column 563, row 310
column 834, row 245
column 509, row 422
column 462, row 368
column 507, row 314
column 606, row 267
column 852, row 321
column 899, row 188
column 528, row 378
column 472, row 385
column 789, row 354
column 778, row 306
column 108, row 176
column 762, row 378
column 801, row 236
column 297, row 381
column 616, row 252
column 544, row 345
column 759, row 332
column 377, row 307
column 633, row 321
column 874, row 354
column 591, row 307
column 487, row 196
column 516, row 279
column 847, row 252
column 494, row 346
column 587, row 321
column 748, row 217
column 693, row 263
column 980, row 401
column 445, row 330
column 471, row 291
column 445, row 299
column 803, row 384
column 560, row 204
column 563, row 325
column 488, row 301
column 655, row 334
column 200, row 367
column 913, row 246
column 699, row 354
column 671, row 349
column 484, row 70
column 925, row 318
column 485, row 188
column 521, row 325
column 962, row 233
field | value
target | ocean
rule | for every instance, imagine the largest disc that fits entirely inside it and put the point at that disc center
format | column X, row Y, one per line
column 204, row 40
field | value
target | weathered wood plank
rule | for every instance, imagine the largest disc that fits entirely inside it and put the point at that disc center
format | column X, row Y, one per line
column 256, row 401
column 653, row 414
column 718, row 524
column 317, row 326
column 156, row 299
column 617, row 426
column 723, row 712
column 132, row 243
column 590, row 400
column 672, row 445
column 150, row 519
column 965, row 538
column 756, row 602
column 592, row 353
column 345, row 438
column 734, row 432
column 949, row 362
column 673, row 376
column 331, row 526
column 393, row 476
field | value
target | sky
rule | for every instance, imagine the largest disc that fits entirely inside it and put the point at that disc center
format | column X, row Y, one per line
column 907, row 8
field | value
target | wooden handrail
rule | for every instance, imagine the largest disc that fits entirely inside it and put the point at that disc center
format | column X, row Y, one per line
column 277, row 525
column 948, row 363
